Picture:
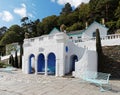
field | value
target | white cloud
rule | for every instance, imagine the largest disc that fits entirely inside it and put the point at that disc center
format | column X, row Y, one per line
column 21, row 11
column 6, row 16
column 73, row 3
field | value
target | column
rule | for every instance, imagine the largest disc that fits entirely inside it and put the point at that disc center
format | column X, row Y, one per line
column 36, row 67
column 46, row 67
column 57, row 68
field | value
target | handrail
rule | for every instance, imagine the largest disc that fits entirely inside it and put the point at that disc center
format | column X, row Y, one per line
column 108, row 37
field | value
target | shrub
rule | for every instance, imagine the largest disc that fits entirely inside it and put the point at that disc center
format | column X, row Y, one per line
column 11, row 60
column 99, row 52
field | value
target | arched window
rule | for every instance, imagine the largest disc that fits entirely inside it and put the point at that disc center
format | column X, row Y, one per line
column 94, row 34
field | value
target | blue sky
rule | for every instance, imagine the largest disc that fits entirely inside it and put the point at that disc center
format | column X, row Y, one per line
column 11, row 11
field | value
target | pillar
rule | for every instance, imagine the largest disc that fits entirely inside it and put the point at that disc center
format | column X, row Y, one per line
column 46, row 67
column 57, row 68
column 36, row 67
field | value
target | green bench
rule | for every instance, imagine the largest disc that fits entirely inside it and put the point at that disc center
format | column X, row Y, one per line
column 99, row 79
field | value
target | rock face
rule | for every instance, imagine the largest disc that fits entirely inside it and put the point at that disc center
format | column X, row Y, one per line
column 112, row 60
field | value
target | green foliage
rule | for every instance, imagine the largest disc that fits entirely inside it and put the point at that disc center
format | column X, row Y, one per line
column 72, row 19
column 112, row 26
column 40, row 30
column 4, row 65
column 11, row 60
column 9, row 37
column 2, row 50
column 13, row 34
column 49, row 23
column 75, row 26
column 117, row 11
column 21, row 53
column 67, row 9
column 100, row 60
column 84, row 12
column 118, row 24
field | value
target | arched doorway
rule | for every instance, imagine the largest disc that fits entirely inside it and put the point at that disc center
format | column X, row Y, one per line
column 51, row 62
column 41, row 63
column 31, row 63
column 73, row 59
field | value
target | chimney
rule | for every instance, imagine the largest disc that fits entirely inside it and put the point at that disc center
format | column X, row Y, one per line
column 103, row 21
column 86, row 25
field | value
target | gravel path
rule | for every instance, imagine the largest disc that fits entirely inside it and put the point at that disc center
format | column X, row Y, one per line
column 17, row 83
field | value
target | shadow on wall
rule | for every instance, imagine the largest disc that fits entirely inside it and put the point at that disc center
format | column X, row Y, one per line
column 112, row 61
column 113, row 67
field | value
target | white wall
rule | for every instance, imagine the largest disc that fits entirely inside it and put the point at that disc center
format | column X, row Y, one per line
column 88, row 63
column 88, row 33
column 46, row 44
column 52, row 43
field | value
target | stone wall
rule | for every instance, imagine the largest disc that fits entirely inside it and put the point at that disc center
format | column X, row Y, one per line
column 112, row 60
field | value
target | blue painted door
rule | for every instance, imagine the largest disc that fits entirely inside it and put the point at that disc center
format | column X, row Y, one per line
column 41, row 63
column 51, row 63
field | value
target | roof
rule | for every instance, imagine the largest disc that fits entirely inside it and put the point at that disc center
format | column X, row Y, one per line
column 96, row 23
column 77, row 32
column 54, row 30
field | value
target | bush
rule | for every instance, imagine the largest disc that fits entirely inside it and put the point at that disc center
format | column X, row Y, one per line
column 16, row 60
column 11, row 60
column 100, row 54
column 3, row 65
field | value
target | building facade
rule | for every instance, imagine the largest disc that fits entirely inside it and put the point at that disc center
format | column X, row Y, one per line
column 58, row 54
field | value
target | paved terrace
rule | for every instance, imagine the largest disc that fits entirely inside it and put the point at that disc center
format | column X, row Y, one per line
column 17, row 83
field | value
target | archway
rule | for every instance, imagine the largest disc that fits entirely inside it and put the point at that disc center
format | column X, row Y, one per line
column 41, row 63
column 31, row 63
column 51, row 62
column 73, row 59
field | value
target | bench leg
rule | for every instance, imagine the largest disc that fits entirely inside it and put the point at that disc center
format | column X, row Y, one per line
column 102, row 89
column 106, row 89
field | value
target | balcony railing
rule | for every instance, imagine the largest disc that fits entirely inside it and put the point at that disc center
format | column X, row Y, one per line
column 108, row 37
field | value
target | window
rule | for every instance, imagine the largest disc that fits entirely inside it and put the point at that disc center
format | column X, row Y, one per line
column 94, row 34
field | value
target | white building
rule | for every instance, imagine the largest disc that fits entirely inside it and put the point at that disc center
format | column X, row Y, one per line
column 58, row 55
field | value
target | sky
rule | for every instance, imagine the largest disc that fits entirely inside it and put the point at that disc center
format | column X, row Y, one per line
column 11, row 11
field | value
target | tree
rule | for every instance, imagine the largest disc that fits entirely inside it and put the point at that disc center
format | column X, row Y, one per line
column 40, row 30
column 3, row 30
column 84, row 12
column 24, row 21
column 11, row 60
column 117, row 11
column 49, row 23
column 100, row 56
column 13, row 34
column 75, row 26
column 67, row 9
column 103, row 9
column 16, row 59
column 9, row 37
column 21, row 53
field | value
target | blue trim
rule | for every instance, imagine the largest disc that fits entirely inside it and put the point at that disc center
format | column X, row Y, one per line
column 51, row 63
column 41, row 63
column 30, row 63
column 54, row 29
column 75, row 34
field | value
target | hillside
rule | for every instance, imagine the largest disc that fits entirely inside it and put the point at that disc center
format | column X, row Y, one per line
column 73, row 19
column 112, row 60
